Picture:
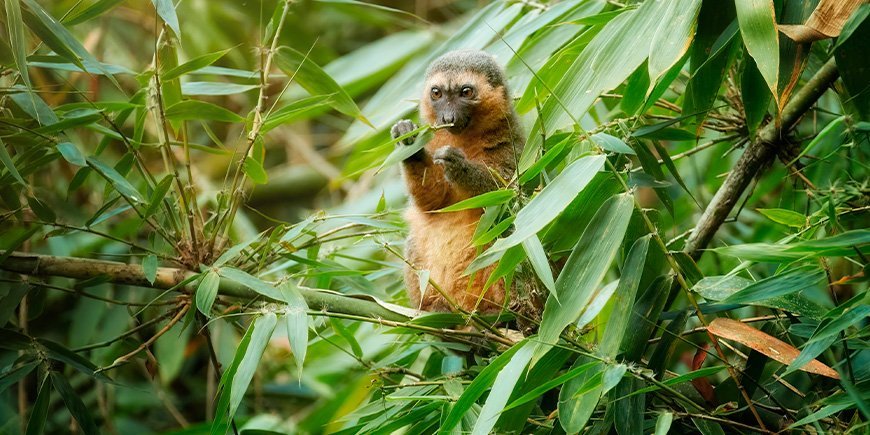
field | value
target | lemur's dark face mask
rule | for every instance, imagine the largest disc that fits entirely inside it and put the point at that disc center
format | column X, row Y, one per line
column 454, row 104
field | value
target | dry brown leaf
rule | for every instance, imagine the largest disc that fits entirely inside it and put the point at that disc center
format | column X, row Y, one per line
column 826, row 21
column 770, row 346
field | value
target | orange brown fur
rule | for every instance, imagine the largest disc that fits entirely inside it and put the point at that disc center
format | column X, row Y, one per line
column 442, row 242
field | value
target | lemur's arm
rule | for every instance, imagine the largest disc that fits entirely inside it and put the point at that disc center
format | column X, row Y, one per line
column 469, row 178
column 426, row 182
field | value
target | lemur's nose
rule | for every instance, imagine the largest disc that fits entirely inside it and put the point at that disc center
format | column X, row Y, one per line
column 447, row 119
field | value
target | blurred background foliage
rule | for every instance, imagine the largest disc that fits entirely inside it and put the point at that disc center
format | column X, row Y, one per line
column 237, row 155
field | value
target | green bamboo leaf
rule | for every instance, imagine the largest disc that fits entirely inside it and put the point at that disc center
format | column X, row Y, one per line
column 296, row 110
column 261, row 332
column 580, row 395
column 348, row 337
column 825, row 411
column 547, row 204
column 495, row 197
column 549, row 385
column 422, row 135
column 608, row 60
column 611, row 143
column 502, row 388
column 840, row 245
column 149, row 267
column 14, row 374
column 71, row 153
column 755, row 94
column 628, row 412
column 555, row 154
column 116, row 180
column 717, row 288
column 586, row 267
column 194, row 64
column 478, row 386
column 200, row 110
column 40, row 209
column 539, row 261
column 711, row 55
column 254, row 170
column 828, row 330
column 602, row 296
column 758, row 28
column 671, row 42
column 785, row 217
column 74, row 404
column 700, row 373
column 496, row 230
column 59, row 39
column 94, row 10
column 207, row 291
column 17, row 40
column 663, row 423
column 620, row 317
column 791, row 281
column 251, row 282
column 301, row 69
column 296, row 316
column 215, row 88
column 39, row 412
column 9, row 164
column 166, row 10
column 157, row 195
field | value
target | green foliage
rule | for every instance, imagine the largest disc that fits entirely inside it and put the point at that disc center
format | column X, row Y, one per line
column 218, row 205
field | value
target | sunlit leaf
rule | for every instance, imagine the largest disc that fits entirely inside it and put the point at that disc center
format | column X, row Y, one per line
column 166, row 10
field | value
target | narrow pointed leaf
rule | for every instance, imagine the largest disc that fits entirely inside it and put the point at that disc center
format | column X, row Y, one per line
column 586, row 266
column 758, row 29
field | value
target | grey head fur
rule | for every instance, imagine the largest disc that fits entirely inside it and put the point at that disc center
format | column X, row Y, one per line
column 469, row 60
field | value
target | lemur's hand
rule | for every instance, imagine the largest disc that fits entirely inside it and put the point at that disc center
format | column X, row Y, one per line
column 452, row 159
column 402, row 128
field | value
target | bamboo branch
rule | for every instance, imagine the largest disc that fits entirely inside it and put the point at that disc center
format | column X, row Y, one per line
column 168, row 278
column 757, row 156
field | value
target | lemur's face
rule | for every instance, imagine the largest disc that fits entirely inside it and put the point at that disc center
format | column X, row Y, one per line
column 456, row 98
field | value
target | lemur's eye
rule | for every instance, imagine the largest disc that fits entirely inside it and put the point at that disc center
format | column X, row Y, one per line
column 467, row 92
column 435, row 93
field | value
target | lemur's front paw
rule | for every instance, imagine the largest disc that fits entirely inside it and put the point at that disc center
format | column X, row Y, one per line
column 449, row 157
column 402, row 128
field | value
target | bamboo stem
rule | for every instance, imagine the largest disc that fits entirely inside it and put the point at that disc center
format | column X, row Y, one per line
column 757, row 156
column 168, row 278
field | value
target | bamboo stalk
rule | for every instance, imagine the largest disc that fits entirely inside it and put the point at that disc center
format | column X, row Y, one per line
column 759, row 153
column 168, row 278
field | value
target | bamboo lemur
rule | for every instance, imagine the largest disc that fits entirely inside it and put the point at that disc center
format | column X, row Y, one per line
column 477, row 154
